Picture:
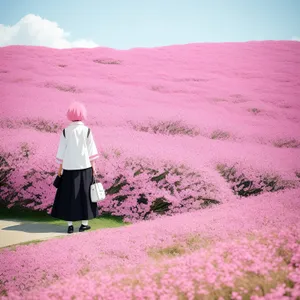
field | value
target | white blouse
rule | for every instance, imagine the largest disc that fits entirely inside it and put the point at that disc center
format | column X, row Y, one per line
column 76, row 150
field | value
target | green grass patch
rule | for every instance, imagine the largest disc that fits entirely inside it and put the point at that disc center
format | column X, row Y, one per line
column 27, row 215
column 220, row 135
column 188, row 245
column 22, row 214
column 171, row 251
column 14, row 246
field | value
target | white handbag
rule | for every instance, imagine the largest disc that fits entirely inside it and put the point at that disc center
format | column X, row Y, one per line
column 97, row 191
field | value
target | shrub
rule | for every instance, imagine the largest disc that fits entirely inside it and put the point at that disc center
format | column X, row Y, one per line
column 107, row 61
column 219, row 100
column 287, row 143
column 63, row 87
column 7, row 123
column 140, row 190
column 255, row 111
column 245, row 186
column 168, row 128
column 42, row 125
column 39, row 124
column 24, row 185
column 238, row 98
column 5, row 172
column 220, row 135
column 157, row 88
column 136, row 189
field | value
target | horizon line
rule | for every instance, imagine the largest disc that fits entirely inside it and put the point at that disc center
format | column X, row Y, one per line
column 154, row 47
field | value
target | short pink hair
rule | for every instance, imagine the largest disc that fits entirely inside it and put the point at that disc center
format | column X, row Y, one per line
column 76, row 112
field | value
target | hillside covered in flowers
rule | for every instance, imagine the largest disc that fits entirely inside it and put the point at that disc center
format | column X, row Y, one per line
column 200, row 141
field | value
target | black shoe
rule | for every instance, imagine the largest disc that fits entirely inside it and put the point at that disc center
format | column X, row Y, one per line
column 84, row 228
column 70, row 229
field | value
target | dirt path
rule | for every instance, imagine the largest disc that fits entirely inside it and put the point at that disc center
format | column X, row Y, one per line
column 14, row 232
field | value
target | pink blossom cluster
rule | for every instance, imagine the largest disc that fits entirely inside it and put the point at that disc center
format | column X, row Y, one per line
column 137, row 189
column 255, row 182
column 231, row 248
column 28, row 181
column 209, row 113
column 191, row 127
column 141, row 189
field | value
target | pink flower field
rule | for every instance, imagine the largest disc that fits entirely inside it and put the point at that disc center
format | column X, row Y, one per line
column 200, row 148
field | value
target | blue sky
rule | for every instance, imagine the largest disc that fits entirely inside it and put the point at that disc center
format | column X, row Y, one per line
column 124, row 24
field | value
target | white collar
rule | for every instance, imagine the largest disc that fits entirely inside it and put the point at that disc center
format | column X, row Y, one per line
column 76, row 123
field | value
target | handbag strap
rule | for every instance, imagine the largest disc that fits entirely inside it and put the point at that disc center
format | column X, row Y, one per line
column 88, row 133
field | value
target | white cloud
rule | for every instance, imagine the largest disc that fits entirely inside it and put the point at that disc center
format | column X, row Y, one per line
column 36, row 31
column 296, row 38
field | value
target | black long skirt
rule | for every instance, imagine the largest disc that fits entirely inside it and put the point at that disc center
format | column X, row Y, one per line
column 73, row 200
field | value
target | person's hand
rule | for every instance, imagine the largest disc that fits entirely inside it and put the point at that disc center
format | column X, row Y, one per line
column 93, row 168
column 59, row 173
column 94, row 171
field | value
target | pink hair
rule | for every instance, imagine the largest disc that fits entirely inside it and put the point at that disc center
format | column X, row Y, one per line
column 76, row 112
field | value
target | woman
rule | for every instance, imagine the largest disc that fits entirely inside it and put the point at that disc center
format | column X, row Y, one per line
column 76, row 156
